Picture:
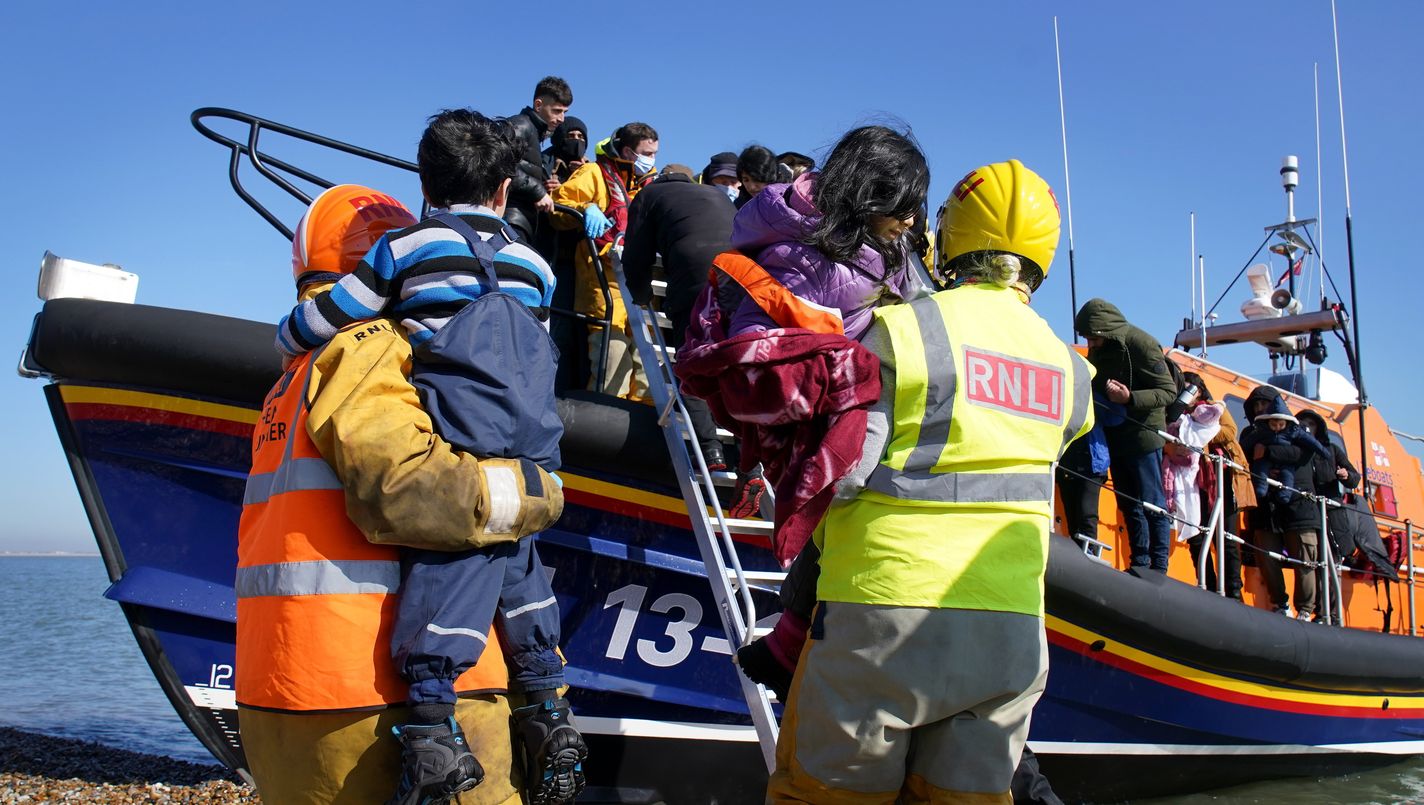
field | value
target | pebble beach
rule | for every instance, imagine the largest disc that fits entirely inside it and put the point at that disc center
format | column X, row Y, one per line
column 42, row 768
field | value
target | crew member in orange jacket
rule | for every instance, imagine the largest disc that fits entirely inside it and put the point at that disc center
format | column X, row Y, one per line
column 346, row 465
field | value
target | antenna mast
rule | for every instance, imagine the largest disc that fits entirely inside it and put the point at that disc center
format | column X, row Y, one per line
column 1319, row 196
column 1067, row 187
column 1192, row 263
column 1201, row 267
column 1350, row 247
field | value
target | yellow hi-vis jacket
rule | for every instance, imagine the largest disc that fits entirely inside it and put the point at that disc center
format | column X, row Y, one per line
column 957, row 512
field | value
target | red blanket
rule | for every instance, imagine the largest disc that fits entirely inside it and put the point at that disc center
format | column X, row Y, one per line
column 797, row 402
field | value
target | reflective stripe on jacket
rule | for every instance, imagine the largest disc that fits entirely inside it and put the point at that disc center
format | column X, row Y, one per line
column 315, row 599
column 957, row 512
column 784, row 308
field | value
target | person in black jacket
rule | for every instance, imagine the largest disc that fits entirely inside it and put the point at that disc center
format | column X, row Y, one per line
column 1292, row 524
column 688, row 224
column 1331, row 478
column 530, row 188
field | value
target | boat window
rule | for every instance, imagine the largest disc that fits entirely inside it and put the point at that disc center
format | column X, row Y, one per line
column 1236, row 406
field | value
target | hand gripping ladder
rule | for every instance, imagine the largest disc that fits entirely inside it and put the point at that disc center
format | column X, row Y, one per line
column 730, row 585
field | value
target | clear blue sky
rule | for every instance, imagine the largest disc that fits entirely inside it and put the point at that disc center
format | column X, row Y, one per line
column 1172, row 107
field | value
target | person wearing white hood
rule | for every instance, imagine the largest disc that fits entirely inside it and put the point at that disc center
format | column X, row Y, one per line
column 1182, row 465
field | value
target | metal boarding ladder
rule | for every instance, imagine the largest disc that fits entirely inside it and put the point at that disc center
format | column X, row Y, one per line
column 731, row 586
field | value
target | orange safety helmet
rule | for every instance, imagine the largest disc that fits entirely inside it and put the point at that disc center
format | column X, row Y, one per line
column 339, row 227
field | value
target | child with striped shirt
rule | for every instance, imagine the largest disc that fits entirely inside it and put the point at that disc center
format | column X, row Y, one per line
column 474, row 302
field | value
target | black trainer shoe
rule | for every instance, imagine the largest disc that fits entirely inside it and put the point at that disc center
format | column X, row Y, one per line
column 436, row 763
column 760, row 666
column 553, row 752
column 715, row 458
column 746, row 498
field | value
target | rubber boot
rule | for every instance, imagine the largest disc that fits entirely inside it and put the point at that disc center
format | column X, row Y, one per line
column 553, row 752
column 436, row 763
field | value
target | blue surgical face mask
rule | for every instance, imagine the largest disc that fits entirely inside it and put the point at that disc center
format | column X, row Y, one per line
column 644, row 164
column 732, row 192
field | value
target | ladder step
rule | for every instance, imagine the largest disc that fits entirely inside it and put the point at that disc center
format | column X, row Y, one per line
column 659, row 287
column 662, row 320
column 723, row 478
column 723, row 435
column 774, row 577
column 749, row 527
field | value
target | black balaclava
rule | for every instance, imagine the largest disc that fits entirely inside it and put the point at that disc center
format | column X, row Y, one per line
column 564, row 148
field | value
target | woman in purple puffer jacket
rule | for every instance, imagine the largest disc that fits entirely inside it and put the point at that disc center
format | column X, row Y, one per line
column 841, row 238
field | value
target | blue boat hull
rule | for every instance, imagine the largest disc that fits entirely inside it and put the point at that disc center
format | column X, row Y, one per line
column 1137, row 703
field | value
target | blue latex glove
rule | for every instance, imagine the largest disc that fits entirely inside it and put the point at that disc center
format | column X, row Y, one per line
column 595, row 223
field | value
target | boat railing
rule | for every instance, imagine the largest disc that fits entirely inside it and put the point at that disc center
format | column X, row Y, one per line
column 269, row 166
column 1216, row 527
column 287, row 177
column 1216, row 524
column 1216, row 530
column 731, row 585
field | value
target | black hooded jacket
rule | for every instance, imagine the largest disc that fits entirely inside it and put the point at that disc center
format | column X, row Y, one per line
column 1314, row 473
column 527, row 187
column 688, row 224
column 1317, row 474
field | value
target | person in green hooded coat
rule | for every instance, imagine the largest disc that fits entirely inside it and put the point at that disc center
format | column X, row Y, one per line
column 1132, row 372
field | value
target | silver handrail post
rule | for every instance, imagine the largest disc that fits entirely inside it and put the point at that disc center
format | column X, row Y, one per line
column 1220, row 536
column 1409, row 567
column 1328, row 576
column 1206, row 534
column 1202, row 557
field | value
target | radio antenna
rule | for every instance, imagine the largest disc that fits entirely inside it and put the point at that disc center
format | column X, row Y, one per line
column 1319, row 196
column 1350, row 248
column 1192, row 261
column 1067, row 187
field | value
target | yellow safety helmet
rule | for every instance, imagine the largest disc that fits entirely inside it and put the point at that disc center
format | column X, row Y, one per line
column 1003, row 207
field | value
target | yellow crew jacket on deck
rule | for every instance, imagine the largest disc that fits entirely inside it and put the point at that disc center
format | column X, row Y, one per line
column 315, row 597
column 986, row 398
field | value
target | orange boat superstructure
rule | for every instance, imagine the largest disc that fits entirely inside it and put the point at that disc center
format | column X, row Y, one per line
column 1396, row 497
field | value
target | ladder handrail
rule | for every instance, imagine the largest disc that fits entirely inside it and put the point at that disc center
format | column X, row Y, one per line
column 719, row 553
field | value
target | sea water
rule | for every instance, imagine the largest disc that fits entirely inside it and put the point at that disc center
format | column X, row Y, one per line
column 69, row 666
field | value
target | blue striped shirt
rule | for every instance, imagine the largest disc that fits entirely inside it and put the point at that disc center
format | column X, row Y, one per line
column 422, row 275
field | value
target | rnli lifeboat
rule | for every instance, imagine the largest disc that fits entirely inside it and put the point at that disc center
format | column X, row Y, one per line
column 1157, row 685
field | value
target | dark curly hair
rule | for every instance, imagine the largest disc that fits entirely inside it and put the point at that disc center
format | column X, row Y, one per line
column 874, row 170
column 463, row 157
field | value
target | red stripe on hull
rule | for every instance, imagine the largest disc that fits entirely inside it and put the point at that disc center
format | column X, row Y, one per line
column 155, row 416
column 1222, row 694
column 640, row 512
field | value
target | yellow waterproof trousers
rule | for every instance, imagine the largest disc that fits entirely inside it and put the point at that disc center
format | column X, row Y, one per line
column 353, row 759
